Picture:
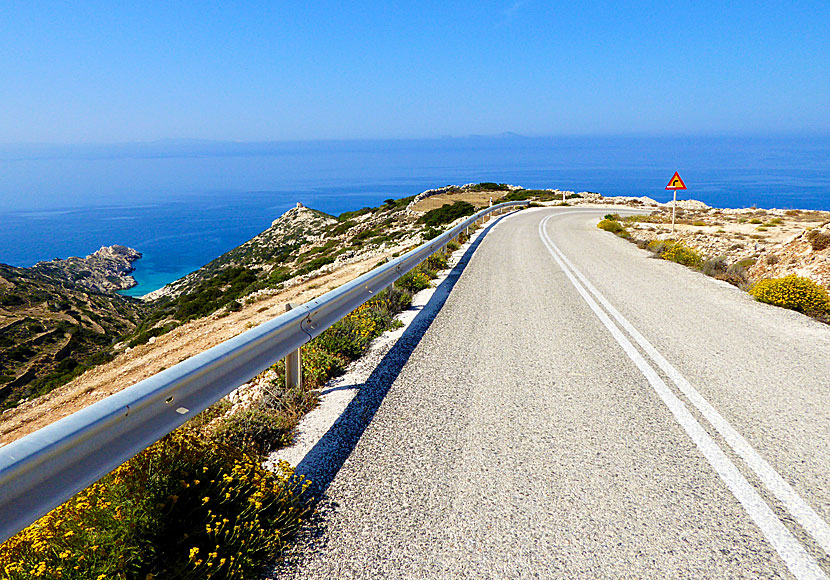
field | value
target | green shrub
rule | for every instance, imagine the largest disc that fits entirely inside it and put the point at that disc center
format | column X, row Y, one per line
column 437, row 261
column 430, row 233
column 347, row 215
column 366, row 234
column 489, row 186
column 683, row 254
column 345, row 339
column 453, row 245
column 183, row 508
column 343, row 227
column 714, row 267
column 212, row 294
column 612, row 226
column 447, row 213
column 660, row 246
column 254, row 430
column 413, row 281
column 145, row 336
column 279, row 275
column 315, row 264
column 793, row 292
column 735, row 274
column 818, row 239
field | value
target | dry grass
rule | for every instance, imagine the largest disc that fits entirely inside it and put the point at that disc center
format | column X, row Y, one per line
column 478, row 198
column 167, row 350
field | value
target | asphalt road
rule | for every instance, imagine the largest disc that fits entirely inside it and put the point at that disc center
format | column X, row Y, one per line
column 577, row 409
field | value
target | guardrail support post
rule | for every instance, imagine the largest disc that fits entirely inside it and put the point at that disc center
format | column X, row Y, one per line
column 293, row 364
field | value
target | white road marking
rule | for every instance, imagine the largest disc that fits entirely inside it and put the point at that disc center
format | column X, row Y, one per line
column 772, row 480
column 802, row 565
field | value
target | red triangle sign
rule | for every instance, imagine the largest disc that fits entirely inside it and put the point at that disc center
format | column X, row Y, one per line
column 675, row 182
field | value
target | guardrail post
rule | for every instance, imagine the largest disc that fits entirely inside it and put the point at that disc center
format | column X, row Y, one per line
column 293, row 364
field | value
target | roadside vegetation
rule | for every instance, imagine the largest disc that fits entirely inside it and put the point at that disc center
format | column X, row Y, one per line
column 795, row 293
column 51, row 333
column 186, row 507
column 538, row 195
column 792, row 292
column 447, row 213
column 58, row 331
column 199, row 504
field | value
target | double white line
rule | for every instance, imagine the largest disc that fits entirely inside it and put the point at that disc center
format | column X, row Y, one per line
column 798, row 560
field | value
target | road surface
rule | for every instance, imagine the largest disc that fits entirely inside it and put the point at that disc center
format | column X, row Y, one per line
column 578, row 409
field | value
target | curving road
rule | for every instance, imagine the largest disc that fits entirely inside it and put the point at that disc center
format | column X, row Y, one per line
column 578, row 409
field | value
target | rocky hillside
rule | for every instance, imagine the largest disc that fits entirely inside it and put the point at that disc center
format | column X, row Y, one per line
column 302, row 243
column 60, row 317
column 743, row 245
column 52, row 328
column 299, row 227
column 806, row 254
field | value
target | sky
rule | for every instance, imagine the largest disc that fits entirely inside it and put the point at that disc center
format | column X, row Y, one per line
column 110, row 72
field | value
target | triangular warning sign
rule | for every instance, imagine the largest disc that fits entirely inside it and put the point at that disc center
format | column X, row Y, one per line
column 675, row 182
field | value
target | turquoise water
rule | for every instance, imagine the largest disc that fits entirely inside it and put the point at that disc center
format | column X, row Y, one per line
column 184, row 203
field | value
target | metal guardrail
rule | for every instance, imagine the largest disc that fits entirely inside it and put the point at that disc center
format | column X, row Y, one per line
column 43, row 469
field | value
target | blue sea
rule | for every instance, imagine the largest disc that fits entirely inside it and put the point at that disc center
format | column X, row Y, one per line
column 183, row 203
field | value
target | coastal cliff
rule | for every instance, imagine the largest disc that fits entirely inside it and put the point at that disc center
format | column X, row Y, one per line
column 106, row 270
column 60, row 317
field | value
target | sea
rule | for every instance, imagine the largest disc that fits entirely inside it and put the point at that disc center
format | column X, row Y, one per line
column 182, row 203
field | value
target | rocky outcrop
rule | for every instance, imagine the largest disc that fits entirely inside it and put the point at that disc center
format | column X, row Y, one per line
column 806, row 255
column 106, row 270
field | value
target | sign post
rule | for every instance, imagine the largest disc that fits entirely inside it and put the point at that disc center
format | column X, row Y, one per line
column 675, row 183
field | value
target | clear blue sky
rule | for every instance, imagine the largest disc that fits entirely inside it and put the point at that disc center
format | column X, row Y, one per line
column 106, row 71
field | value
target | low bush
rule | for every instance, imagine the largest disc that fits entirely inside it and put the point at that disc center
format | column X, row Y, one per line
column 437, row 261
column 715, row 267
column 148, row 334
column 447, row 213
column 430, row 233
column 818, row 239
column 612, row 226
column 212, row 294
column 315, row 264
column 735, row 274
column 343, row 227
column 279, row 275
column 347, row 215
column 795, row 293
column 413, row 281
column 683, row 254
column 183, row 508
column 255, row 430
column 659, row 247
column 489, row 186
